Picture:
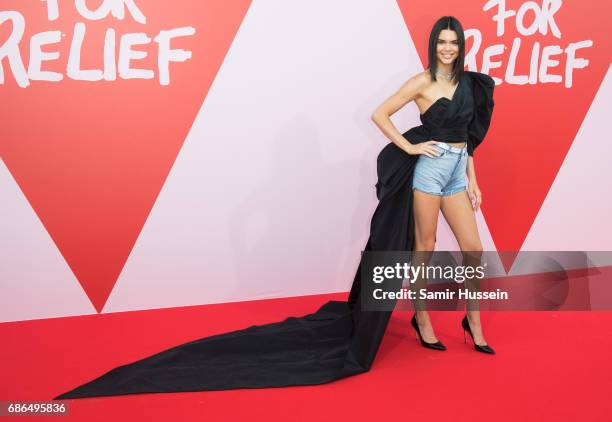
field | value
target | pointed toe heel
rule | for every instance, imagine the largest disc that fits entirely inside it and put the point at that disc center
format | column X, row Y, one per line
column 435, row 346
column 466, row 327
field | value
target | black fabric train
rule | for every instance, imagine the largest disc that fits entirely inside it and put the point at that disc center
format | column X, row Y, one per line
column 339, row 339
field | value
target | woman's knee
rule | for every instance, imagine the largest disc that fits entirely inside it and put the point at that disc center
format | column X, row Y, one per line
column 427, row 244
column 472, row 246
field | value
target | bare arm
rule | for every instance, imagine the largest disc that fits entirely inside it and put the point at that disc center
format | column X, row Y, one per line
column 473, row 189
column 471, row 172
column 381, row 116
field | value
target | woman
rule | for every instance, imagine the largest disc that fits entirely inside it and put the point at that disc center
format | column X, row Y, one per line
column 439, row 176
column 342, row 338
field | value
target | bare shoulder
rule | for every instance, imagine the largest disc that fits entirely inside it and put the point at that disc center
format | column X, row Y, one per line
column 411, row 90
column 421, row 79
column 415, row 85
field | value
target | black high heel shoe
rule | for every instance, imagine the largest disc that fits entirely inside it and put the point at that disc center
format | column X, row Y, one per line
column 436, row 346
column 466, row 327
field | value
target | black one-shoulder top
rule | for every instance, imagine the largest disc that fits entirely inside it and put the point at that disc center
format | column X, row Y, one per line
column 464, row 118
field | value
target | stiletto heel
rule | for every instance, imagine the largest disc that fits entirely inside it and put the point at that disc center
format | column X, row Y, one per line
column 436, row 346
column 466, row 327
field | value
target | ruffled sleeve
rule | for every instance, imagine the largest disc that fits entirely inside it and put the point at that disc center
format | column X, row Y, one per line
column 482, row 89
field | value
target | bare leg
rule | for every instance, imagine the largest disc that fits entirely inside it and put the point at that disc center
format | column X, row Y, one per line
column 460, row 216
column 426, row 210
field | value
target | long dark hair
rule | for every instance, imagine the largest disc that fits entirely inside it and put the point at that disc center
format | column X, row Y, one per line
column 452, row 23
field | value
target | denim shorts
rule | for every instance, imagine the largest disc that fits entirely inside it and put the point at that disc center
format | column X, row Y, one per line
column 442, row 175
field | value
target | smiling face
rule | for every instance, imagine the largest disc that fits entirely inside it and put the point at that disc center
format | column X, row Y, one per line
column 447, row 47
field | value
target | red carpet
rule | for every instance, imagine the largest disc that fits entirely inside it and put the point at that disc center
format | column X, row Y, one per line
column 550, row 366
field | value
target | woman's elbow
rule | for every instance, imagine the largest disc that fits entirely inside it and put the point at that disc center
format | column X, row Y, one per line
column 376, row 116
